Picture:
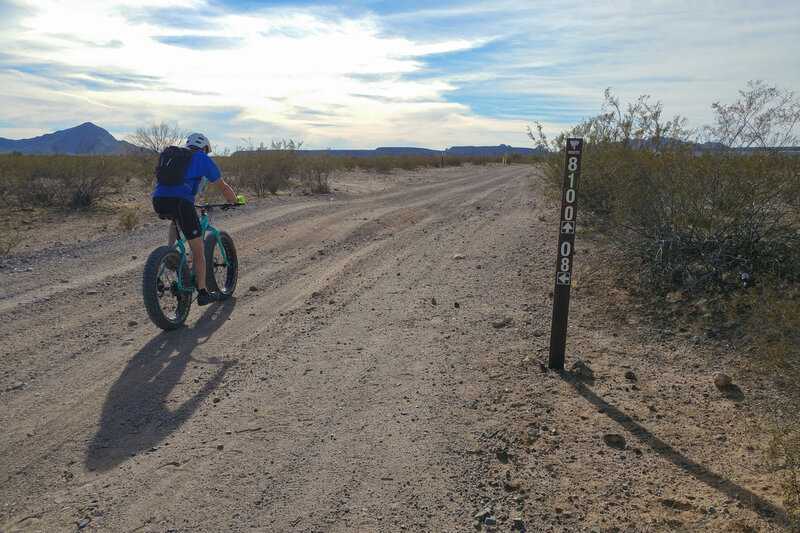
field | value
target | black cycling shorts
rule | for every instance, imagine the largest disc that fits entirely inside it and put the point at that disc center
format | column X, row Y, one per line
column 181, row 210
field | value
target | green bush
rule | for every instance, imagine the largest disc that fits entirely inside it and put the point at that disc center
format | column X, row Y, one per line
column 128, row 220
column 315, row 172
column 9, row 234
column 387, row 163
column 85, row 181
column 690, row 215
column 63, row 180
column 263, row 170
column 27, row 181
column 454, row 160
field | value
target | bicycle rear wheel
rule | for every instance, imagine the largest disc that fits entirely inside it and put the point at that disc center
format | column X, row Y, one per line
column 219, row 276
column 166, row 305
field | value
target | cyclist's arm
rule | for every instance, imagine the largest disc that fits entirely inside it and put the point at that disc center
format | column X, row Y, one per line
column 226, row 191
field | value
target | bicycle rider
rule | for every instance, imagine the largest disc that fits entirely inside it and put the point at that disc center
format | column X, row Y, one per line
column 178, row 202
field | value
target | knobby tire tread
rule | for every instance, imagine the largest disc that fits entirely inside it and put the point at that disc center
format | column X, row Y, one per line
column 150, row 276
column 226, row 276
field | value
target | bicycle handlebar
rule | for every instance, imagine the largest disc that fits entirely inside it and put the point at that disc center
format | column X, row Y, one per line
column 224, row 207
column 221, row 206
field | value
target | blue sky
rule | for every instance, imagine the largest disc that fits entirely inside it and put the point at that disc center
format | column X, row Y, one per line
column 367, row 73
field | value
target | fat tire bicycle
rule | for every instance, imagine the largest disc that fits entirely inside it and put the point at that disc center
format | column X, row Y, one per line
column 167, row 282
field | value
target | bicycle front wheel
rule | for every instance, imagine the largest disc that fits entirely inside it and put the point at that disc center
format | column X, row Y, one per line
column 221, row 277
column 166, row 304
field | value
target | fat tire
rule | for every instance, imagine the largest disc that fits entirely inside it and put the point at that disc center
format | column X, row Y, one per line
column 220, row 277
column 166, row 306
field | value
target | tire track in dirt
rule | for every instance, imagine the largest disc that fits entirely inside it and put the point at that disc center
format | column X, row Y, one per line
column 345, row 229
column 88, row 266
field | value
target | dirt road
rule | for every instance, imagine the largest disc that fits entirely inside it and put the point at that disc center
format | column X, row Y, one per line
column 377, row 370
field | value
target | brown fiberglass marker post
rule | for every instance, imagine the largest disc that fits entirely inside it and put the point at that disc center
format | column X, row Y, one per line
column 566, row 247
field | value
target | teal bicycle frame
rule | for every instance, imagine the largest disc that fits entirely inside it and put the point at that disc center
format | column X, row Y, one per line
column 205, row 226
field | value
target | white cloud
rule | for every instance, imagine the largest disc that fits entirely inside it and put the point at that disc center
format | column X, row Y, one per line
column 279, row 62
column 468, row 72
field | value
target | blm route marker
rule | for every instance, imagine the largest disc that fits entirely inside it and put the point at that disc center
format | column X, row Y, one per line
column 566, row 246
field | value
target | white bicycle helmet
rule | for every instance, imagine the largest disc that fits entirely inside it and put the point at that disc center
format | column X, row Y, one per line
column 198, row 140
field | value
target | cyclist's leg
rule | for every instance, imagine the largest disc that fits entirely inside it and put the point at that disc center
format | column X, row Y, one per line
column 184, row 213
column 196, row 246
column 190, row 225
column 172, row 234
column 168, row 208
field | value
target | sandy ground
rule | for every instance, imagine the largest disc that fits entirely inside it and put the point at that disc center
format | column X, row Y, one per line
column 380, row 368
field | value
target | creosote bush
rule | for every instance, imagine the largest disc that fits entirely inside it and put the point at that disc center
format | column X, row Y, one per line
column 9, row 234
column 128, row 220
column 694, row 210
column 263, row 170
column 315, row 172
column 63, row 180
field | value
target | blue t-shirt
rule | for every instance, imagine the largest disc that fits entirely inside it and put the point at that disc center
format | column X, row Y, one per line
column 200, row 165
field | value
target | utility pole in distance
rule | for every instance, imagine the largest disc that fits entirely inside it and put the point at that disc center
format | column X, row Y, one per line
column 566, row 247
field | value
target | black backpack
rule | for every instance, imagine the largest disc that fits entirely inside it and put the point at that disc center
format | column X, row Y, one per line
column 172, row 165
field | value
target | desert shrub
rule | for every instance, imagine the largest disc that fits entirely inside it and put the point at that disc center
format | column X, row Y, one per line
column 9, row 234
column 484, row 160
column 315, row 171
column 27, row 181
column 238, row 169
column 346, row 164
column 85, row 180
column 285, row 162
column 64, row 180
column 691, row 215
column 516, row 157
column 6, row 178
column 141, row 167
column 128, row 220
column 263, row 170
column 382, row 163
column 385, row 163
column 389, row 162
column 454, row 160
column 411, row 162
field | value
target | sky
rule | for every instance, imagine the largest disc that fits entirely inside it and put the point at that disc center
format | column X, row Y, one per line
column 363, row 74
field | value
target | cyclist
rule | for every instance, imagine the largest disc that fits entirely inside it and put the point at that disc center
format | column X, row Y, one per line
column 178, row 202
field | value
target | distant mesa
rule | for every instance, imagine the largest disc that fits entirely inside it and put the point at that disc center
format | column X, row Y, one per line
column 399, row 151
column 86, row 139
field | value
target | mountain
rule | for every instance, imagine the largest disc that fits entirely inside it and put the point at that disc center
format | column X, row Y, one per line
column 86, row 139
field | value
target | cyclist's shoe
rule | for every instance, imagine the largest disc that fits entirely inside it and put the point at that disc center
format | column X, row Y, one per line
column 205, row 297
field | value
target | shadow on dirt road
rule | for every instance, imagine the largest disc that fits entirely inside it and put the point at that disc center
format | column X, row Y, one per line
column 135, row 415
column 762, row 507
